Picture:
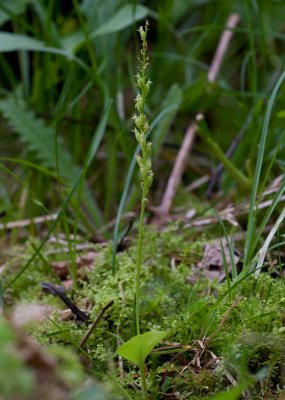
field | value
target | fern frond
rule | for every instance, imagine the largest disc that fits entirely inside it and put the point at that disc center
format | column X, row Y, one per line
column 39, row 138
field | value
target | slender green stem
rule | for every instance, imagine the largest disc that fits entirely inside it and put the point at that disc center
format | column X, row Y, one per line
column 143, row 381
column 144, row 162
column 139, row 259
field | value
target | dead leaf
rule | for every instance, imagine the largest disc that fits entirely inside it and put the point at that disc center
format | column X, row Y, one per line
column 62, row 268
column 212, row 263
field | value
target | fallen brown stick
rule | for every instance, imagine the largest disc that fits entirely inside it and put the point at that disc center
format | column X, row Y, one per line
column 26, row 222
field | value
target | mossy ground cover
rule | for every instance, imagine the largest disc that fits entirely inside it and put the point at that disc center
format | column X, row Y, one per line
column 216, row 337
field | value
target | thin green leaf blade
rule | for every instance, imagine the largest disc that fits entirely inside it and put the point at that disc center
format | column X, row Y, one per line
column 125, row 16
column 248, row 250
column 14, row 42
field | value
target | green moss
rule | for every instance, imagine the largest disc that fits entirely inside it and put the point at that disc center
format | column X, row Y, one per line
column 245, row 329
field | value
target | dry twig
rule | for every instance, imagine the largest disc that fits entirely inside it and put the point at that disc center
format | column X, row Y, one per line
column 94, row 324
column 26, row 222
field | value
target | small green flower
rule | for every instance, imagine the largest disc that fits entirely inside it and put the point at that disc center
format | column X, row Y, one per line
column 141, row 122
column 144, row 159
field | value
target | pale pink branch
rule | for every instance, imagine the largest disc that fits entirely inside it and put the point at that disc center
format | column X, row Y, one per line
column 26, row 222
column 223, row 45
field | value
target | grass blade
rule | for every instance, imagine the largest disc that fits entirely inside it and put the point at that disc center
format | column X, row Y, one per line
column 125, row 16
column 249, row 240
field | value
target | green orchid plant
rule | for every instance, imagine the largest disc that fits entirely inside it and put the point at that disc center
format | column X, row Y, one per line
column 139, row 347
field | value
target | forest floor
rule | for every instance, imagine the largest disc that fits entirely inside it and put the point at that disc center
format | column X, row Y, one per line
column 225, row 334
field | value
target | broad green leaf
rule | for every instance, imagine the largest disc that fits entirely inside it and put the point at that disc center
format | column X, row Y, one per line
column 138, row 348
column 14, row 42
column 96, row 11
column 87, row 5
column 72, row 42
column 232, row 394
column 10, row 8
column 125, row 16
